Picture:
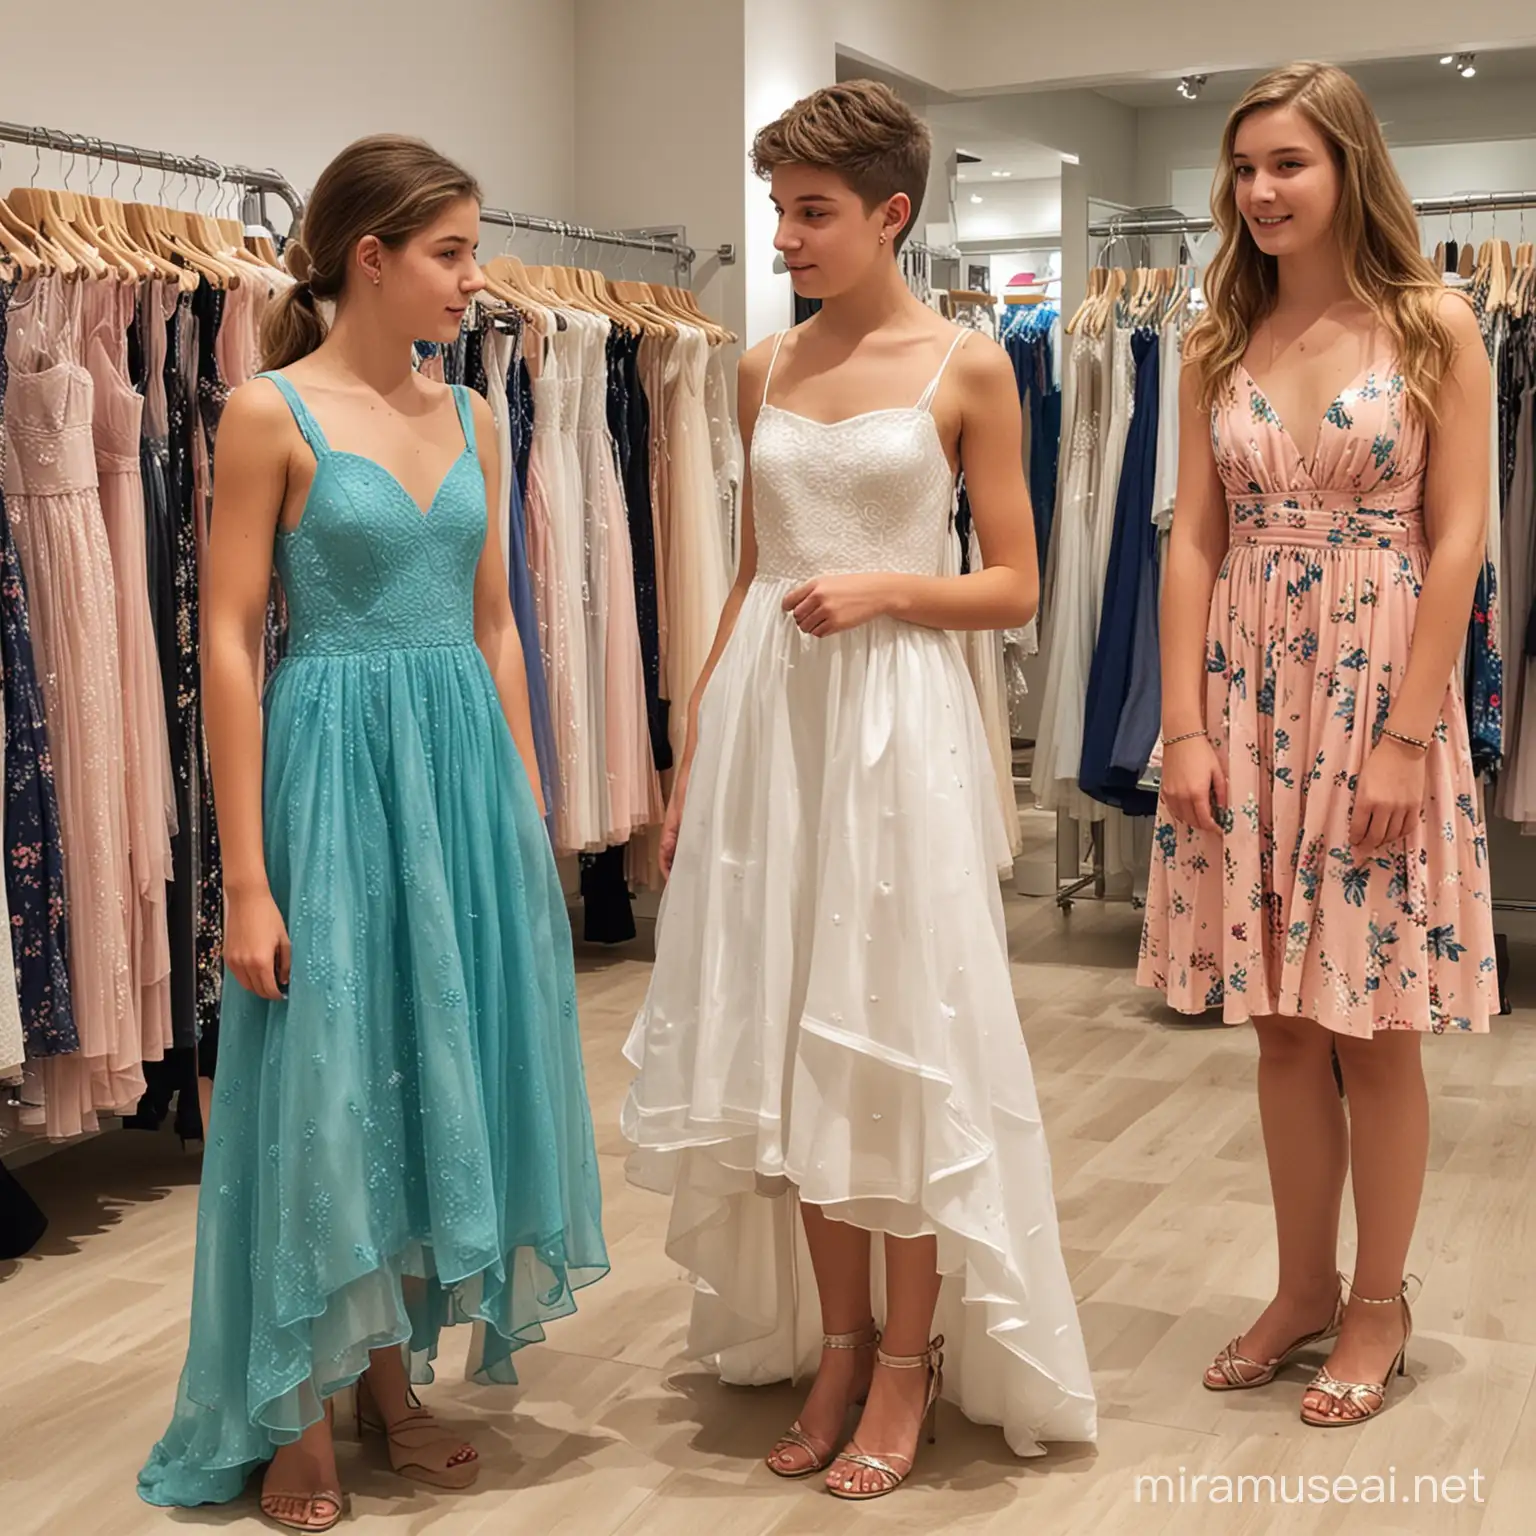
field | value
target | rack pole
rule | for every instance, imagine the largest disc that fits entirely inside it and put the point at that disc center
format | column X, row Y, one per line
column 253, row 180
column 671, row 242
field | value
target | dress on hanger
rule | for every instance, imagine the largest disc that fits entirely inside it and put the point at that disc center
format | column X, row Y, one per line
column 414, row 1109
column 151, row 801
column 34, row 849
column 831, row 1014
column 1310, row 627
column 55, row 514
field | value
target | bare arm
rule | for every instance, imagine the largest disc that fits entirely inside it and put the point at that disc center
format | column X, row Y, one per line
column 1197, row 546
column 495, row 627
column 1192, row 776
column 1456, row 494
column 255, row 436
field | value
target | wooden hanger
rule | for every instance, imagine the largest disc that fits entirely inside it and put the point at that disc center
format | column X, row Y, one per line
column 44, row 211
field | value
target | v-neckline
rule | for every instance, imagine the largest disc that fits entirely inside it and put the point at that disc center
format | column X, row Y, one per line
column 442, row 485
column 1308, row 460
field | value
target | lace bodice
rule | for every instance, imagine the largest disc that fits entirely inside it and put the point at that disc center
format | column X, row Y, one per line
column 873, row 492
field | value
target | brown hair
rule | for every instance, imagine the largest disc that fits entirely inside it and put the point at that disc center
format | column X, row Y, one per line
column 1375, row 226
column 864, row 132
column 388, row 186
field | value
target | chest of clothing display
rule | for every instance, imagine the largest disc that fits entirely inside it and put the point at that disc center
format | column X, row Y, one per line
column 841, row 819
column 1310, row 626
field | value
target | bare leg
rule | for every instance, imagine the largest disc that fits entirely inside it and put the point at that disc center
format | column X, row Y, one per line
column 892, row 1421
column 396, row 1406
column 301, row 1487
column 840, row 1257
column 1307, row 1149
column 1389, row 1144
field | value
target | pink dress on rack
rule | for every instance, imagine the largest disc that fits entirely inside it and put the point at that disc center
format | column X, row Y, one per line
column 151, row 792
column 1311, row 623
column 55, row 509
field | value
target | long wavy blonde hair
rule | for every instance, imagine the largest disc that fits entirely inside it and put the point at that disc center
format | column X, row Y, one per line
column 1375, row 226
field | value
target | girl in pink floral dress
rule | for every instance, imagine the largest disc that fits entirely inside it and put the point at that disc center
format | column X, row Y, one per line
column 1321, row 867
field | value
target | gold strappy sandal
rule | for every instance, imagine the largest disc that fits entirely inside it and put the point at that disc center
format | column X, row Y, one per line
column 418, row 1448
column 867, row 1337
column 317, row 1511
column 933, row 1361
column 1353, row 1402
column 1238, row 1372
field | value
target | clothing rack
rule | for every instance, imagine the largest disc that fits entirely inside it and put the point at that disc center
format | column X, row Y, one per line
column 1169, row 221
column 255, row 183
column 671, row 242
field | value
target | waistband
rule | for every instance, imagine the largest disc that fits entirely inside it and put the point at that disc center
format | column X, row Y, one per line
column 1324, row 521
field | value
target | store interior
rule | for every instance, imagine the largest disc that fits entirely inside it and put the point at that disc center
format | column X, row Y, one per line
column 611, row 136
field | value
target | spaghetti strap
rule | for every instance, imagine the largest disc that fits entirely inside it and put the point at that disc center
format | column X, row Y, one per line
column 925, row 401
column 772, row 363
column 306, row 423
column 466, row 415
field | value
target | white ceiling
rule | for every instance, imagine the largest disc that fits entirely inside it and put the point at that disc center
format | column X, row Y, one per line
column 1025, row 160
column 1383, row 77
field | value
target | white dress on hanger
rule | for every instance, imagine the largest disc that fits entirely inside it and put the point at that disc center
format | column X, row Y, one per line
column 725, row 447
column 13, row 1049
column 831, row 1014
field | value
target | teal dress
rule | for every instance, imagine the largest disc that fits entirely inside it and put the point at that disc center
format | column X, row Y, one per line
column 404, row 1141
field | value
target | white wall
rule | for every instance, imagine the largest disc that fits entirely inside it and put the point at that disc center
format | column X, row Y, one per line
column 658, row 138
column 289, row 83
column 1009, row 208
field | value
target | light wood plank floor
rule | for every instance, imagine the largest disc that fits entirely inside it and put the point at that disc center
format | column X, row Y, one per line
column 1160, row 1179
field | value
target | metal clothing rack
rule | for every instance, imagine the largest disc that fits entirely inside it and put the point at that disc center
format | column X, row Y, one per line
column 670, row 241
column 1169, row 221
column 256, row 184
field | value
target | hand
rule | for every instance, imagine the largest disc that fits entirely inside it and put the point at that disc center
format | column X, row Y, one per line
column 674, row 818
column 1192, row 782
column 1388, row 794
column 831, row 604
column 256, row 947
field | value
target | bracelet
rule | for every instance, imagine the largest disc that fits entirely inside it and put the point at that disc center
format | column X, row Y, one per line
column 1173, row 741
column 1407, row 741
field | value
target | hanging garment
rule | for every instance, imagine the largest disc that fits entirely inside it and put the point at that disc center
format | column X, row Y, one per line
column 117, row 421
column 831, row 1017
column 414, row 1109
column 1128, row 626
column 34, row 848
column 726, row 452
column 1311, row 622
column 55, row 513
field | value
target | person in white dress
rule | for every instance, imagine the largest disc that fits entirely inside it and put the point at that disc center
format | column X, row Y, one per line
column 830, row 1077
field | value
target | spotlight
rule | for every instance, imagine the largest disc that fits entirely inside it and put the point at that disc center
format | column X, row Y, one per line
column 1447, row 58
column 1466, row 65
column 1189, row 86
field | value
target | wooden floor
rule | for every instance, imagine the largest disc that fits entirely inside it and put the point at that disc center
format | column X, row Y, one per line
column 1160, row 1182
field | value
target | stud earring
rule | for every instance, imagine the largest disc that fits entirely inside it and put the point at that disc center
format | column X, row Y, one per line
column 882, row 237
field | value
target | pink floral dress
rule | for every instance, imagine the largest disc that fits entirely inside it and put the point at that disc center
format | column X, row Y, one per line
column 1310, row 628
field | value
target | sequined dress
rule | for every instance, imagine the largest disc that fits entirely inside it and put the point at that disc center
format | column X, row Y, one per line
column 404, row 1141
column 831, row 1014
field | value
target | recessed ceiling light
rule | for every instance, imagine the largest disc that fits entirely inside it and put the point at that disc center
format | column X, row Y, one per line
column 975, row 197
column 1447, row 58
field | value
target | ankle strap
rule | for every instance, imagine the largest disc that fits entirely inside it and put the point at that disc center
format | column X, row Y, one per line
column 1385, row 1301
column 912, row 1362
column 860, row 1338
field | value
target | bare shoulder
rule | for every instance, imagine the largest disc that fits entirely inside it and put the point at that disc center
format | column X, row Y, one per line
column 480, row 410
column 981, row 363
column 1459, row 318
column 257, row 411
column 753, row 367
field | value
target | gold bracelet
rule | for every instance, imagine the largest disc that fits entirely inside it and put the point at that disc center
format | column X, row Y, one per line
column 1407, row 741
column 1173, row 741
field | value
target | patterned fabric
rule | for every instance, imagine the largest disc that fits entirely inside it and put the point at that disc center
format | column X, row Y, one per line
column 34, row 850
column 1310, row 629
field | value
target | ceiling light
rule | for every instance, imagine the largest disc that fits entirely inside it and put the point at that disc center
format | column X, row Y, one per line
column 1466, row 65
column 1002, row 173
column 1189, row 86
column 975, row 197
column 1447, row 58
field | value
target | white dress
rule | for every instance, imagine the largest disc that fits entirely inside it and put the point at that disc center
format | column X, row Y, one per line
column 831, row 1013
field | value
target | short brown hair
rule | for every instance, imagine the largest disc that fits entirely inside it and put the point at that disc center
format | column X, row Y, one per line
column 387, row 185
column 864, row 132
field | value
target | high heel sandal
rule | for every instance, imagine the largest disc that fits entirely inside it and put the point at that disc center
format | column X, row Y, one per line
column 417, row 1447
column 317, row 1511
column 933, row 1361
column 1355, row 1393
column 867, row 1337
column 1238, row 1372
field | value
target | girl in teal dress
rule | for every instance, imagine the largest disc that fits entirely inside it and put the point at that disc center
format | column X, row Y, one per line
column 400, row 1136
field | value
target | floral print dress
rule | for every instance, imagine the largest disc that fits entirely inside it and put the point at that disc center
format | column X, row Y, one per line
column 1310, row 627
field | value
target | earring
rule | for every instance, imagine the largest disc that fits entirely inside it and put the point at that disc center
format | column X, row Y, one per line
column 882, row 237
